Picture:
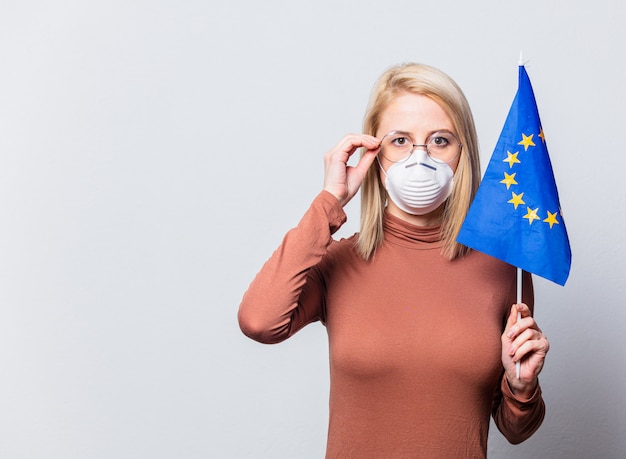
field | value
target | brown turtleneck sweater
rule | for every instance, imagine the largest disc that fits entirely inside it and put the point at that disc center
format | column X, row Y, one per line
column 414, row 338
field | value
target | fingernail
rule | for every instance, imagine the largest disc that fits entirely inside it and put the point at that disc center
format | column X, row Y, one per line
column 510, row 334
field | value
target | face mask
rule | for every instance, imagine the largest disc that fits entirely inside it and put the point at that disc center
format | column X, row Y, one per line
column 418, row 185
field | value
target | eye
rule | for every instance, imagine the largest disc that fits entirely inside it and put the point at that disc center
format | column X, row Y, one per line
column 440, row 140
column 400, row 141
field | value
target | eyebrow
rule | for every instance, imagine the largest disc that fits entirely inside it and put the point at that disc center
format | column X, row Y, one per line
column 430, row 134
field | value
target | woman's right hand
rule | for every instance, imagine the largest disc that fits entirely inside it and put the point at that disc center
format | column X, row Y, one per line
column 341, row 180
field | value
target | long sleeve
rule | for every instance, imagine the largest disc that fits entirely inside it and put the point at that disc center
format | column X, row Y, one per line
column 517, row 419
column 286, row 295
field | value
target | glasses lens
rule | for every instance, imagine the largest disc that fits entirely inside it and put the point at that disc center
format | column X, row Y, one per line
column 396, row 146
column 443, row 146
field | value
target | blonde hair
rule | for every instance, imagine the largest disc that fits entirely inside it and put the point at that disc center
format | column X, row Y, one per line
column 431, row 82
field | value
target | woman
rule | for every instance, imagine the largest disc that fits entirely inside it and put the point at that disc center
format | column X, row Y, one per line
column 423, row 335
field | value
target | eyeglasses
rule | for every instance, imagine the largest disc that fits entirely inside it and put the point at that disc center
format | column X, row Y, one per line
column 442, row 147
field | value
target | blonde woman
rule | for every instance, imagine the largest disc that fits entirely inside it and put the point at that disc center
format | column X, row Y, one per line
column 423, row 335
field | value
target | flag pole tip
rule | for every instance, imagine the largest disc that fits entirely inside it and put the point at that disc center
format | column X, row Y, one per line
column 521, row 62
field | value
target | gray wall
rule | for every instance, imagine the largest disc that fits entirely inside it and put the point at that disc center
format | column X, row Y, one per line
column 152, row 155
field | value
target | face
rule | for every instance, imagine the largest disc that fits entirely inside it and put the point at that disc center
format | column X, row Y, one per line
column 419, row 116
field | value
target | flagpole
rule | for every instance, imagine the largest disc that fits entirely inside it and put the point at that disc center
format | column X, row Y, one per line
column 519, row 314
column 518, row 364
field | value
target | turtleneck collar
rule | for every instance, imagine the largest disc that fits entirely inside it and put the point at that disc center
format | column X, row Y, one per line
column 401, row 232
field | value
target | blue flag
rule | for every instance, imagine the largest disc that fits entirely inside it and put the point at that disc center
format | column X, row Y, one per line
column 516, row 216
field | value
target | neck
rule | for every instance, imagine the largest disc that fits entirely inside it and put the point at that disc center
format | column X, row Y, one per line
column 433, row 218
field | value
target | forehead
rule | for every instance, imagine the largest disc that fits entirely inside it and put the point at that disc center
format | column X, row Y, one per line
column 414, row 113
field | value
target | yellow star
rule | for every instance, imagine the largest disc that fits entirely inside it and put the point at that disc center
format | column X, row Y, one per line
column 543, row 137
column 527, row 141
column 511, row 158
column 509, row 180
column 516, row 200
column 531, row 215
column 551, row 219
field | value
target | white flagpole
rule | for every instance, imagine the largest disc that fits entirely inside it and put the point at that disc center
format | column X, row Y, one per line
column 518, row 365
column 519, row 314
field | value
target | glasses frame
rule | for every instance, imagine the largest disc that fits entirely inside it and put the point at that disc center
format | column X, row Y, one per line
column 423, row 145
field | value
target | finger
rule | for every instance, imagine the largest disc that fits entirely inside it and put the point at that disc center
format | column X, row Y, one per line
column 519, row 327
column 512, row 317
column 352, row 142
column 366, row 160
column 523, row 309
column 528, row 348
column 521, row 339
column 533, row 336
column 511, row 320
column 349, row 145
column 515, row 309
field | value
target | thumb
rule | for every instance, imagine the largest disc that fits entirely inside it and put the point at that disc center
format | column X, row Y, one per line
column 366, row 160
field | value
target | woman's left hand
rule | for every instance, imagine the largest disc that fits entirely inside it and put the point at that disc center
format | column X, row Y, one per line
column 523, row 341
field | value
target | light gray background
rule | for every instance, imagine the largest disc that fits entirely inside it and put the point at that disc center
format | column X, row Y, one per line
column 153, row 153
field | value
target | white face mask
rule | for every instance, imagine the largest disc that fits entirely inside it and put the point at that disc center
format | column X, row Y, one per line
column 418, row 185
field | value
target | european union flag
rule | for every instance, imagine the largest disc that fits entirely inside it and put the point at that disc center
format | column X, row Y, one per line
column 516, row 216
